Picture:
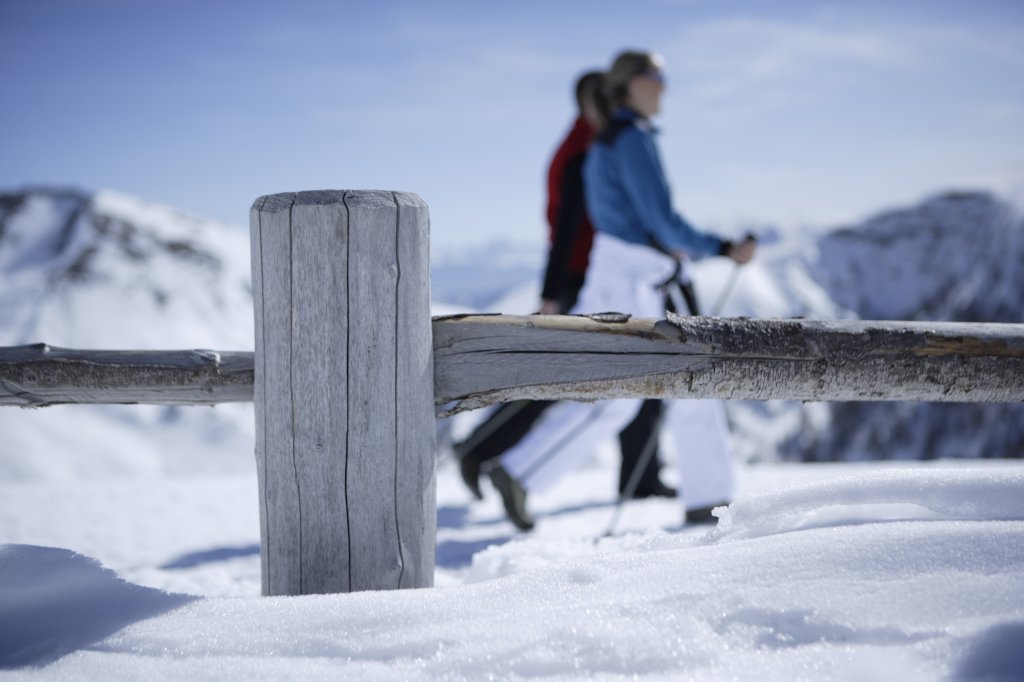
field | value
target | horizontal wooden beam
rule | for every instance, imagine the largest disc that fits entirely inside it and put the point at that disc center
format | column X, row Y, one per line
column 39, row 375
column 485, row 359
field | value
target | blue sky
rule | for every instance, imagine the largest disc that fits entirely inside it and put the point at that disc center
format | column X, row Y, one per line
column 777, row 112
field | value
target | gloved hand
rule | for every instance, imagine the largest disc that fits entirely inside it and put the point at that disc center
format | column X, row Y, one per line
column 743, row 251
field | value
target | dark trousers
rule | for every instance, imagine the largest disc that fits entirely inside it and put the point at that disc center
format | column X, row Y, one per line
column 511, row 421
column 639, row 435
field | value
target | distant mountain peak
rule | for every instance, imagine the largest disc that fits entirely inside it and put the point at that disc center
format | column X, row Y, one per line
column 956, row 256
column 69, row 256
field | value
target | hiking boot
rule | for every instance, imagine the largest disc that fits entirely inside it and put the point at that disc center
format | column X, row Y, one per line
column 659, row 489
column 703, row 514
column 469, row 468
column 513, row 497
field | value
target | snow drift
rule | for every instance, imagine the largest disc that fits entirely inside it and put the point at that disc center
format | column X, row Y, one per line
column 894, row 575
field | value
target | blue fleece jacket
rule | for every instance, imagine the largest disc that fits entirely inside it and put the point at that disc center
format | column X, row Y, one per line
column 627, row 194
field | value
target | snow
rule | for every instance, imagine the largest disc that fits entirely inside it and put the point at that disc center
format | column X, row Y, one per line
column 83, row 261
column 129, row 535
column 819, row 571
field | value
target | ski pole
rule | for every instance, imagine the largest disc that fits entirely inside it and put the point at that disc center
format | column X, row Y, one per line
column 634, row 476
column 726, row 290
column 729, row 284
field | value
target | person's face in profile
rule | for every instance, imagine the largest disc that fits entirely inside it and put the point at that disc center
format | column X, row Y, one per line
column 645, row 90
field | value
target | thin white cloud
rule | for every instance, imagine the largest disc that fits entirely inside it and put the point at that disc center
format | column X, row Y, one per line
column 737, row 57
column 997, row 45
column 499, row 82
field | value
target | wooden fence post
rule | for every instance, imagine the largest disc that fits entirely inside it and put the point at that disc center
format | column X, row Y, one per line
column 343, row 391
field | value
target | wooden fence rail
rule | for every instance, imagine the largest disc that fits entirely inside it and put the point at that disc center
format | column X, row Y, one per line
column 348, row 369
column 484, row 359
column 39, row 375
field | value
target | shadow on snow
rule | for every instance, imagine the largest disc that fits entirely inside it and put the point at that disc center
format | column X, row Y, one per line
column 54, row 601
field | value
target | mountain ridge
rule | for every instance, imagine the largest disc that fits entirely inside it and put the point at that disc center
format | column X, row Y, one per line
column 106, row 270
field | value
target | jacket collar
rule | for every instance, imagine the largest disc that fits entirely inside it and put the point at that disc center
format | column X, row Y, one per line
column 634, row 117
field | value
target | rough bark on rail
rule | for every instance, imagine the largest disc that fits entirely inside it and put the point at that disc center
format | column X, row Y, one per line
column 485, row 359
column 39, row 375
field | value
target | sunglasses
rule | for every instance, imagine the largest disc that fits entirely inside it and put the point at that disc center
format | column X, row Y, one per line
column 655, row 75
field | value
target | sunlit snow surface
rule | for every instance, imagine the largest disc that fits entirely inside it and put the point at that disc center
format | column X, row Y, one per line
column 849, row 572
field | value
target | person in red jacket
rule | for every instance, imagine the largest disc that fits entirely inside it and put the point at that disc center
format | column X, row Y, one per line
column 570, row 235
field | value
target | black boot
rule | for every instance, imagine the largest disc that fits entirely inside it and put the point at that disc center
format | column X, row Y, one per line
column 469, row 468
column 703, row 514
column 641, row 464
column 504, row 428
column 657, row 489
column 513, row 497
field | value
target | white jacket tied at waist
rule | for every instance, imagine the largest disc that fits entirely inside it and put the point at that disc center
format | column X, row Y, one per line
column 624, row 277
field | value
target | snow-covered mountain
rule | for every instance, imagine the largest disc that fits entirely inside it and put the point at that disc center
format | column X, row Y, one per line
column 104, row 270
column 479, row 276
column 957, row 257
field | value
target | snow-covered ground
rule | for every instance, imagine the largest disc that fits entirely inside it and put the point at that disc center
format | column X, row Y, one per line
column 817, row 571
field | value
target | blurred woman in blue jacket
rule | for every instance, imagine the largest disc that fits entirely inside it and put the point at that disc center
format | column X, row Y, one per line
column 640, row 243
column 626, row 192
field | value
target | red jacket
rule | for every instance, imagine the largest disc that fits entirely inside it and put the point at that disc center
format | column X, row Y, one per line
column 570, row 232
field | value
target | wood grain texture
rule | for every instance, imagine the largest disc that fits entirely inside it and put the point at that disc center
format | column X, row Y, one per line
column 561, row 358
column 319, row 390
column 275, row 446
column 375, row 553
column 347, row 381
column 415, row 471
column 480, row 360
column 39, row 375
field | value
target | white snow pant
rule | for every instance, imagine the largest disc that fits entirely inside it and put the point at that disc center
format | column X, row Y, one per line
column 700, row 438
column 623, row 277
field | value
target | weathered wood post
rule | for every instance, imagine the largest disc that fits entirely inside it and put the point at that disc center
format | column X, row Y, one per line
column 343, row 391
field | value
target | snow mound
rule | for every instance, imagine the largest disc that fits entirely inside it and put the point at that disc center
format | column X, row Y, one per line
column 879, row 496
column 920, row 595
